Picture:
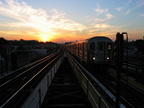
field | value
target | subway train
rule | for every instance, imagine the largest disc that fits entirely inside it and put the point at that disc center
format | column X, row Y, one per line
column 96, row 51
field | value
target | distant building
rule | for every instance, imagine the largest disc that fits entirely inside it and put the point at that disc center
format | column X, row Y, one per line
column 17, row 53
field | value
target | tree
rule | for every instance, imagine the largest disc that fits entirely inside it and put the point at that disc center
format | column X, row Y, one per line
column 2, row 41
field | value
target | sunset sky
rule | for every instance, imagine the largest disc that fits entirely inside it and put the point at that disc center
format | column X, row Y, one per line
column 70, row 20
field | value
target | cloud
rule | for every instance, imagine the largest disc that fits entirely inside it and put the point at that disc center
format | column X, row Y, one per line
column 102, row 14
column 99, row 20
column 127, row 12
column 141, row 14
column 140, row 3
column 119, row 8
column 134, row 5
column 25, row 16
column 109, row 16
column 20, row 11
column 26, row 20
column 102, row 26
column 99, row 10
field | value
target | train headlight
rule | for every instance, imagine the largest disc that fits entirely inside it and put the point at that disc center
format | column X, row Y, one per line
column 108, row 58
column 93, row 58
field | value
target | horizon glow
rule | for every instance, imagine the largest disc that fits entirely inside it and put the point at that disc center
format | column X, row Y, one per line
column 70, row 20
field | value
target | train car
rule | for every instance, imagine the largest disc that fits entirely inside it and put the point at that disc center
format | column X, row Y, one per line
column 95, row 51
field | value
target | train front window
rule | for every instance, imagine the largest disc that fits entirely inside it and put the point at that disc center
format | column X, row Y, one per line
column 100, row 45
column 92, row 46
column 109, row 46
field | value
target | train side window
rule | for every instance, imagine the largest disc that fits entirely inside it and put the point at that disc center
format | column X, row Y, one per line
column 80, row 46
column 92, row 46
column 100, row 46
column 77, row 46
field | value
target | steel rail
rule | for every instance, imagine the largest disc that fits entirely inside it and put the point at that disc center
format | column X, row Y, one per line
column 14, row 73
column 26, row 84
column 28, row 69
column 93, row 81
column 123, row 102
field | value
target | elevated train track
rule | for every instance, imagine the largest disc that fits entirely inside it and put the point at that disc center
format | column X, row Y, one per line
column 65, row 90
column 99, row 88
column 130, row 96
column 17, row 86
column 134, row 67
column 9, row 77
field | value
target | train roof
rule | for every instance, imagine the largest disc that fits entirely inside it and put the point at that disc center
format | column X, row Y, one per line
column 99, row 38
column 95, row 38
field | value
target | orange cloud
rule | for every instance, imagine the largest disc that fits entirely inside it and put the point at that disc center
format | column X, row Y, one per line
column 38, row 20
column 25, row 22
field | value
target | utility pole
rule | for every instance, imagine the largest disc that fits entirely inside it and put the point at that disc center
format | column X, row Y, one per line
column 119, row 39
column 119, row 63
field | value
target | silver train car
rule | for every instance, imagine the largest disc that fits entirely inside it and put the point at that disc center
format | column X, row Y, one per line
column 95, row 51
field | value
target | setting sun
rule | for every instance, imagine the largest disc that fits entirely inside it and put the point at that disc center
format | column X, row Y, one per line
column 45, row 38
column 51, row 22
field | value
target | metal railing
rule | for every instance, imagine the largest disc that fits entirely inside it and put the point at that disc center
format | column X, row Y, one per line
column 91, row 90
